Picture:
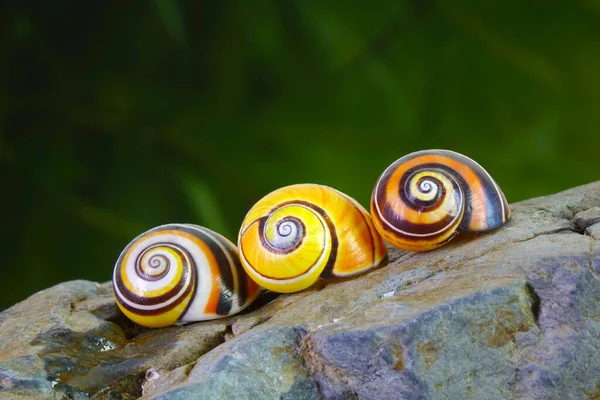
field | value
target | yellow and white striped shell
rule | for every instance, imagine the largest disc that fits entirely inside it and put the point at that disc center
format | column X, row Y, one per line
column 300, row 233
column 180, row 273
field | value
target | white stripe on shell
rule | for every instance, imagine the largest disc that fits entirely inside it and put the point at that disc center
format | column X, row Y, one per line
column 392, row 227
column 256, row 276
column 136, row 281
column 198, row 305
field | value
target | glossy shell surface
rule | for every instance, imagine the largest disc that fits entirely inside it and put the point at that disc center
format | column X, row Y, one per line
column 180, row 273
column 300, row 233
column 424, row 199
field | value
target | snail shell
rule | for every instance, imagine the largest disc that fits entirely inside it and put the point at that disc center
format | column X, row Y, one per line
column 424, row 199
column 300, row 233
column 180, row 273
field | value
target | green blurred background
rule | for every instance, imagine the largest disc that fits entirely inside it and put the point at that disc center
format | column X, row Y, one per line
column 119, row 117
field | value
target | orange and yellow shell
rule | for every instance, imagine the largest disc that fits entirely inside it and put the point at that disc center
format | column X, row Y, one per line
column 300, row 233
column 180, row 273
column 424, row 199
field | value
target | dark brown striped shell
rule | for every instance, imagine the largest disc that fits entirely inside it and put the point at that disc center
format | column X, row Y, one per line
column 424, row 199
column 180, row 273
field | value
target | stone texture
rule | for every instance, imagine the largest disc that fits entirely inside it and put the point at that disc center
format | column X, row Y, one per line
column 587, row 218
column 593, row 231
column 70, row 341
column 511, row 314
column 258, row 366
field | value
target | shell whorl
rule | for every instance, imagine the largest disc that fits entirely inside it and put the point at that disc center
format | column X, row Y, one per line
column 290, row 229
column 155, row 276
column 297, row 234
column 180, row 272
column 424, row 199
column 284, row 235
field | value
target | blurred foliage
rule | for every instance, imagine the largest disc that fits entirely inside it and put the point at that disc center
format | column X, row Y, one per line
column 116, row 117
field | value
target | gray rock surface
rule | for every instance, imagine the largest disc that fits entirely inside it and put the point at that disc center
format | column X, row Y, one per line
column 511, row 314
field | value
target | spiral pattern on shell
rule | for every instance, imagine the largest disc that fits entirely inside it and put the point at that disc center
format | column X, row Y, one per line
column 424, row 199
column 300, row 233
column 180, row 273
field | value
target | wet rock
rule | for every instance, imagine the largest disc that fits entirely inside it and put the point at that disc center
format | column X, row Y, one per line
column 510, row 314
column 59, row 342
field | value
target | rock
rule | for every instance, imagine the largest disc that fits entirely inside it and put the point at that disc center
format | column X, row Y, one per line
column 593, row 231
column 510, row 314
column 588, row 222
column 254, row 366
column 70, row 341
column 587, row 218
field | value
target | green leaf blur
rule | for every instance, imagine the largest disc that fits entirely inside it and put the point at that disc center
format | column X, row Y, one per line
column 118, row 116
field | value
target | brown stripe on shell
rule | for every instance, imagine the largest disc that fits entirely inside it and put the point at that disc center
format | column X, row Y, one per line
column 414, row 203
column 242, row 288
column 495, row 201
column 327, row 270
column 268, row 246
column 226, row 288
column 421, row 229
column 169, row 307
column 187, row 267
column 140, row 273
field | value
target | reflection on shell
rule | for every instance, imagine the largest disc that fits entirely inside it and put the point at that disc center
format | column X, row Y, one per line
column 300, row 233
column 424, row 199
column 180, row 273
